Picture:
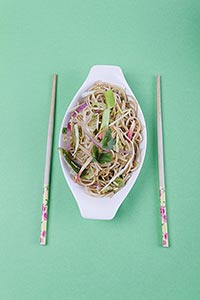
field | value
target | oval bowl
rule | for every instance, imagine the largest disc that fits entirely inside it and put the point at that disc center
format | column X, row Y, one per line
column 101, row 208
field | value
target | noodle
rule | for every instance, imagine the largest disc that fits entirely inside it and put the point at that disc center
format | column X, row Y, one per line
column 104, row 139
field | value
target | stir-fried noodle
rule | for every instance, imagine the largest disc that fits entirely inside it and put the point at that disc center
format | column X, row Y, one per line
column 103, row 139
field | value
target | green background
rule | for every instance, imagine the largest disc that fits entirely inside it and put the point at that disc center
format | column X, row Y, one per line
column 86, row 259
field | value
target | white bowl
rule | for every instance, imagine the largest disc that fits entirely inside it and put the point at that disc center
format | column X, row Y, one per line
column 101, row 208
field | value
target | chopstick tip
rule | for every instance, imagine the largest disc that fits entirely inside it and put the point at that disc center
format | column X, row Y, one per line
column 158, row 80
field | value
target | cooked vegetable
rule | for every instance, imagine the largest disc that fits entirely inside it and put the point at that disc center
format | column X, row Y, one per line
column 105, row 119
column 68, row 134
column 110, row 99
column 110, row 102
column 108, row 142
column 101, row 157
column 79, row 109
column 130, row 132
column 76, row 138
column 64, row 130
column 75, row 167
column 119, row 181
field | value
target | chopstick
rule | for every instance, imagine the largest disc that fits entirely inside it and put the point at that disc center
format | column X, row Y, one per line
column 163, row 209
column 47, row 172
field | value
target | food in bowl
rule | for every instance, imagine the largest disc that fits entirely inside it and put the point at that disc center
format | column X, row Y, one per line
column 102, row 139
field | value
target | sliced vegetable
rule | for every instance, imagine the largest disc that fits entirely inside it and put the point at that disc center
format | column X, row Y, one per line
column 64, row 130
column 95, row 153
column 130, row 132
column 76, row 131
column 107, row 190
column 100, row 136
column 83, row 169
column 108, row 142
column 105, row 157
column 110, row 99
column 68, row 134
column 105, row 119
column 101, row 157
column 76, row 167
column 89, row 174
column 93, row 124
column 110, row 102
column 79, row 109
column 91, row 137
column 119, row 181
column 120, row 144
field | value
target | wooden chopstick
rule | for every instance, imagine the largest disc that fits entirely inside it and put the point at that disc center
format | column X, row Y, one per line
column 47, row 172
column 163, row 209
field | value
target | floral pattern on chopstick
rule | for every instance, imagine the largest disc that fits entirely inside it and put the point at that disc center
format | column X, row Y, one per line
column 43, row 231
column 163, row 213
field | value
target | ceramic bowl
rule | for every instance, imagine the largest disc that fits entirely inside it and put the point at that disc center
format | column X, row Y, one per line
column 102, row 208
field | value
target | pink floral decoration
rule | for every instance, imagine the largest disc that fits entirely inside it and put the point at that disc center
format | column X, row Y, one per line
column 45, row 216
column 164, row 218
column 44, row 208
column 165, row 235
column 162, row 211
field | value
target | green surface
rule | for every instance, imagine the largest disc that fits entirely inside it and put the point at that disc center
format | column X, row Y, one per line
column 85, row 259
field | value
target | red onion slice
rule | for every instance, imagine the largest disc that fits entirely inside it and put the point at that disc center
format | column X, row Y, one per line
column 79, row 109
